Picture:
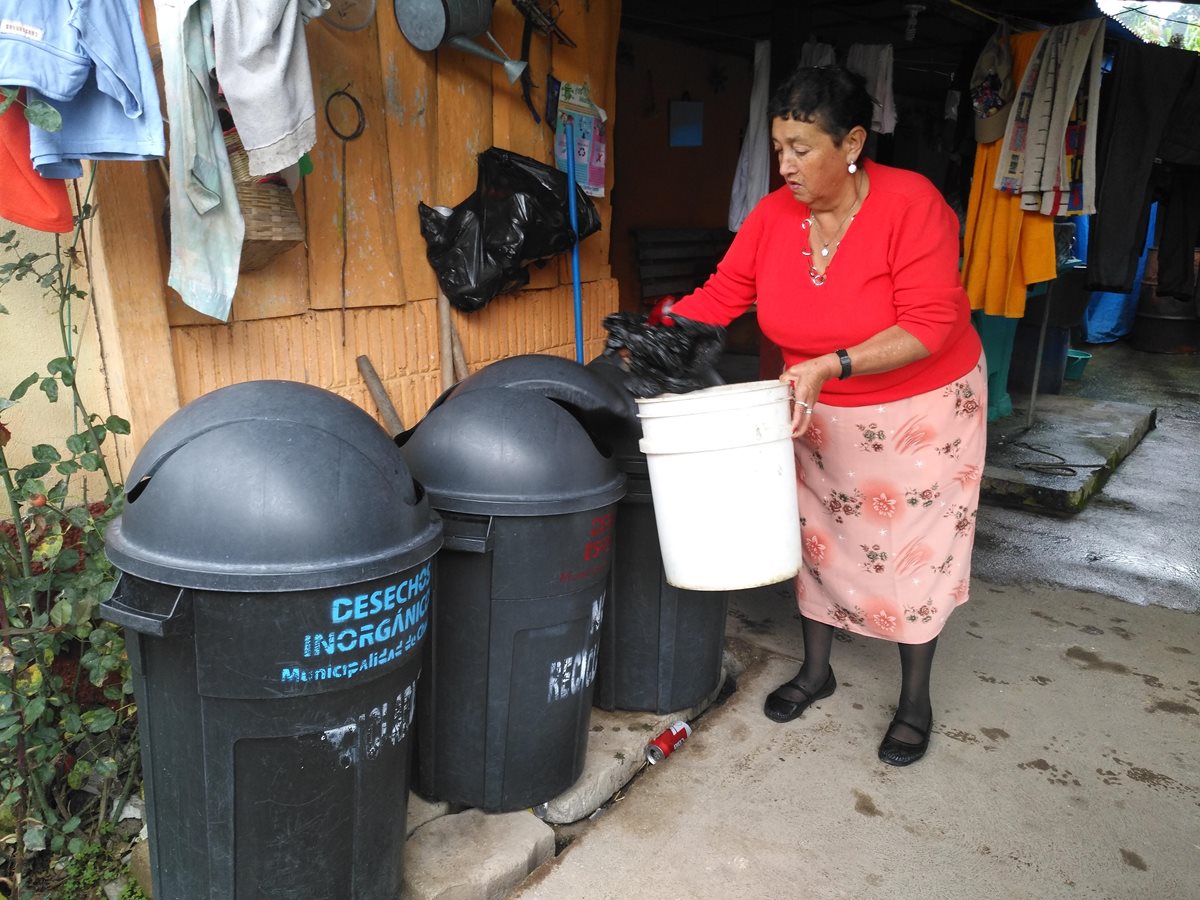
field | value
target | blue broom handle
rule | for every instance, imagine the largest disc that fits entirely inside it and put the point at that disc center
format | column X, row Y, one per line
column 575, row 249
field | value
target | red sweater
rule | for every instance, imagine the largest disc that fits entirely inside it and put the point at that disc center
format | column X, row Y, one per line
column 897, row 264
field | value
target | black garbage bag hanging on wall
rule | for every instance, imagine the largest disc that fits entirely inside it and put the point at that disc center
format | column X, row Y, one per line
column 517, row 215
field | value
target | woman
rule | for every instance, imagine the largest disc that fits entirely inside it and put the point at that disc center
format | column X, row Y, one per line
column 854, row 267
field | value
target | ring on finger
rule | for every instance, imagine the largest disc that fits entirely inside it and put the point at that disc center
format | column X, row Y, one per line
column 802, row 403
column 808, row 412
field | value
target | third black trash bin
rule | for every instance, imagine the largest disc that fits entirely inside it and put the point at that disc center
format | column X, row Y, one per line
column 661, row 647
column 528, row 505
column 276, row 587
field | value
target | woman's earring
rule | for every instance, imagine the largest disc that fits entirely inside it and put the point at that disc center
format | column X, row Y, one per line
column 852, row 168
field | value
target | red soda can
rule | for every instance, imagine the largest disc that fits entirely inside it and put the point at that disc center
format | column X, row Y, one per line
column 664, row 745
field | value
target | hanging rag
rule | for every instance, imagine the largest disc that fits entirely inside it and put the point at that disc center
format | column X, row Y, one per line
column 1062, row 79
column 1005, row 248
column 816, row 54
column 752, row 179
column 26, row 197
column 874, row 63
column 206, row 223
column 115, row 114
column 262, row 66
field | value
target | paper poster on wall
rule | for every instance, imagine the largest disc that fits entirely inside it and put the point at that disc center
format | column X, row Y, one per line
column 687, row 123
column 591, row 154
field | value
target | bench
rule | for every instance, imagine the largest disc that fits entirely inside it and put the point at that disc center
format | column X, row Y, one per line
column 677, row 260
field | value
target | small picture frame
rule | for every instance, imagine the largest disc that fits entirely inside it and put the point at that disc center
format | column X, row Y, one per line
column 686, row 123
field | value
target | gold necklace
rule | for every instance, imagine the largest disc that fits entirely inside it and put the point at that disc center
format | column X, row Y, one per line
column 810, row 224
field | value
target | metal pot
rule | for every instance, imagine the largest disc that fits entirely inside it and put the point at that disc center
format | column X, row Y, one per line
column 427, row 24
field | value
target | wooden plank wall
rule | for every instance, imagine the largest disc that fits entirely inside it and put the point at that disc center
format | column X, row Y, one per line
column 427, row 116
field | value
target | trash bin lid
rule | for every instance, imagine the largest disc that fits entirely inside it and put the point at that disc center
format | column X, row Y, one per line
column 603, row 408
column 501, row 451
column 271, row 486
column 628, row 434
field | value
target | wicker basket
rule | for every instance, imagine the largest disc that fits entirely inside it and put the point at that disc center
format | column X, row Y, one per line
column 269, row 211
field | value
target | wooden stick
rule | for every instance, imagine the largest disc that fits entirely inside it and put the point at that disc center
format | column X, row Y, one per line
column 391, row 419
column 445, row 341
column 460, row 358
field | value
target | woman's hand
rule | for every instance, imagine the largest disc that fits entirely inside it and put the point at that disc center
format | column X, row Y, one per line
column 806, row 380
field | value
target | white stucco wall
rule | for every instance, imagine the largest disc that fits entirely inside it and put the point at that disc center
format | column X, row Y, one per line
column 29, row 339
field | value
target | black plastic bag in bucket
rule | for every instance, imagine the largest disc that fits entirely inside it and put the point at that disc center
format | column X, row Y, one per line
column 664, row 359
column 518, row 214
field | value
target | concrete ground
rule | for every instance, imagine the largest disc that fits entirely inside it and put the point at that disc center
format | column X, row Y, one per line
column 1066, row 707
column 1137, row 539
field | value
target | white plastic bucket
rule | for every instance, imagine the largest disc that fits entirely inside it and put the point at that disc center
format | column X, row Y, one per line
column 723, row 479
column 732, row 415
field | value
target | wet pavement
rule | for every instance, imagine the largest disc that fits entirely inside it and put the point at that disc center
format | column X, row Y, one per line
column 1138, row 538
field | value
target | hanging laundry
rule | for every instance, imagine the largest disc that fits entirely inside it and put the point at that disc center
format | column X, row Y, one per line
column 752, row 178
column 1005, row 248
column 816, row 54
column 41, row 48
column 1049, row 152
column 874, row 63
column 1150, row 113
column 90, row 61
column 262, row 66
column 26, row 197
column 116, row 113
column 206, row 223
column 992, row 87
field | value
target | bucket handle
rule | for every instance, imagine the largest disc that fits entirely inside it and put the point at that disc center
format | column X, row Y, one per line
column 172, row 622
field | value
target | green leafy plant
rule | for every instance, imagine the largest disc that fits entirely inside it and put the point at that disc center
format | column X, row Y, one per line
column 68, row 741
column 37, row 112
column 87, row 871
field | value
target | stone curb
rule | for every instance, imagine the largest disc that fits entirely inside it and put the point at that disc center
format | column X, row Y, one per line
column 474, row 855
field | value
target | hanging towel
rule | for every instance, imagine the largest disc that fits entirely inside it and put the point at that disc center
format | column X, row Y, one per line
column 752, row 179
column 26, row 197
column 262, row 65
column 116, row 113
column 874, row 63
column 206, row 223
column 814, row 54
column 1062, row 76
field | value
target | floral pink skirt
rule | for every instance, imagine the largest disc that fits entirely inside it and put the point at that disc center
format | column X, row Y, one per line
column 888, row 496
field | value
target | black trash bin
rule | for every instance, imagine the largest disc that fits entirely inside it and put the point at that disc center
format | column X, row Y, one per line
column 661, row 647
column 528, row 506
column 276, row 589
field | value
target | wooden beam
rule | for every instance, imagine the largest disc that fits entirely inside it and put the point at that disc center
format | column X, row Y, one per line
column 129, row 266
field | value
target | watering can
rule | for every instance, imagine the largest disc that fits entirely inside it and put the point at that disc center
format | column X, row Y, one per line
column 429, row 24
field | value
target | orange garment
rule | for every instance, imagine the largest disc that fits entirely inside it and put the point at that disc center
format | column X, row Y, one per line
column 25, row 196
column 1005, row 248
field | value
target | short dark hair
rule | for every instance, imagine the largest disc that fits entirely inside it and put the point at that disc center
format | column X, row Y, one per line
column 831, row 97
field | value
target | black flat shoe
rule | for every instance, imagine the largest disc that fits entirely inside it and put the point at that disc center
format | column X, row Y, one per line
column 896, row 752
column 789, row 700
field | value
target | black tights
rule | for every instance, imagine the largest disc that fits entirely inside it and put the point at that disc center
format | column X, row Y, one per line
column 914, row 710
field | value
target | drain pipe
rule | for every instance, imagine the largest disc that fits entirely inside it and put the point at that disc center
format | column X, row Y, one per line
column 571, row 188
